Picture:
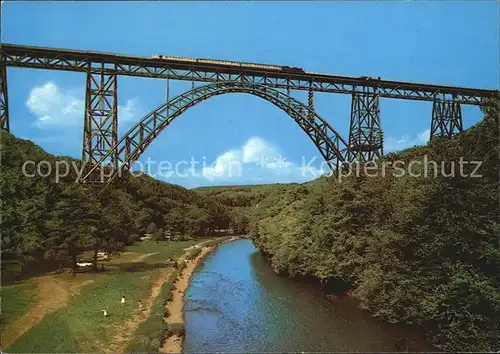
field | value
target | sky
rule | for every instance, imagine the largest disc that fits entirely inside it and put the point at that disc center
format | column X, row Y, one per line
column 437, row 42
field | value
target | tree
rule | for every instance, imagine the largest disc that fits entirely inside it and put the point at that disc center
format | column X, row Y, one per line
column 110, row 233
column 71, row 221
column 151, row 229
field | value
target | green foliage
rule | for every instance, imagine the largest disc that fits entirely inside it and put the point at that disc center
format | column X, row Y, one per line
column 416, row 250
column 46, row 223
column 240, row 200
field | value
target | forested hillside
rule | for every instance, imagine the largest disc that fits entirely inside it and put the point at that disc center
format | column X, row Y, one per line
column 415, row 250
column 239, row 199
column 45, row 223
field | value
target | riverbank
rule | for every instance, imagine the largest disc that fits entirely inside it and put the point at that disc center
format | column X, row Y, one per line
column 236, row 303
column 74, row 322
column 174, row 309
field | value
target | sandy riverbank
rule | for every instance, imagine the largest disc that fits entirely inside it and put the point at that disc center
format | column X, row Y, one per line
column 175, row 307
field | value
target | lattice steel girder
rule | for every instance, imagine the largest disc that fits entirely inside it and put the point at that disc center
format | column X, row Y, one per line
column 446, row 118
column 365, row 132
column 310, row 103
column 331, row 145
column 4, row 104
column 100, row 132
column 74, row 60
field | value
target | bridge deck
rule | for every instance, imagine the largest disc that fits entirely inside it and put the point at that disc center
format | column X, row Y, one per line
column 80, row 60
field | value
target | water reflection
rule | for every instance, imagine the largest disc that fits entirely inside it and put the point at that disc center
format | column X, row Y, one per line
column 236, row 303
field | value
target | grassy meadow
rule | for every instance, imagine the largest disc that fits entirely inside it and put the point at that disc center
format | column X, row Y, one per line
column 15, row 300
column 79, row 325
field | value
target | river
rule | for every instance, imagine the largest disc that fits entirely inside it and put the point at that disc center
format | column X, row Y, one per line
column 236, row 303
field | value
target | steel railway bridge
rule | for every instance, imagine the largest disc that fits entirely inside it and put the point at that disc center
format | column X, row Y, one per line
column 103, row 149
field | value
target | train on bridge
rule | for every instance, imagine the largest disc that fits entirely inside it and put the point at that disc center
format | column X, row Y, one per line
column 239, row 64
column 246, row 65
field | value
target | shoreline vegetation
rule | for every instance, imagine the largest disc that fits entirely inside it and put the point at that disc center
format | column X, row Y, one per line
column 51, row 226
column 49, row 222
column 416, row 251
column 74, row 322
column 173, row 335
column 413, row 250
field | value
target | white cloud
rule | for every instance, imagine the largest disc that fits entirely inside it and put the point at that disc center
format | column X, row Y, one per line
column 227, row 165
column 405, row 141
column 257, row 161
column 53, row 107
column 424, row 137
column 255, row 148
column 130, row 112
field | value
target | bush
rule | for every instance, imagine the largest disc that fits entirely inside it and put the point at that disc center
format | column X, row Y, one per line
column 193, row 253
column 150, row 334
column 421, row 251
column 175, row 329
column 151, row 229
column 158, row 235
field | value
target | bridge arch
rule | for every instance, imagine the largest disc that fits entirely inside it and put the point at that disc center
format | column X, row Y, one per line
column 134, row 142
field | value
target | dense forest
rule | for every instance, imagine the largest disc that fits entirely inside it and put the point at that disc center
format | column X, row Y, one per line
column 240, row 200
column 45, row 223
column 417, row 250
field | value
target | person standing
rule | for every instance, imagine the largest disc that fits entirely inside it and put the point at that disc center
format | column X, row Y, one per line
column 123, row 300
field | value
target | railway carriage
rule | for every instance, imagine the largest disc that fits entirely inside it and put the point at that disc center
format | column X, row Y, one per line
column 243, row 65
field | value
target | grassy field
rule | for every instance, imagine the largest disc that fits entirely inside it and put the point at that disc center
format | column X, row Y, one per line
column 148, row 336
column 80, row 324
column 16, row 299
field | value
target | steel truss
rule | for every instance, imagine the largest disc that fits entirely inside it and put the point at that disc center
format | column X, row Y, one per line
column 331, row 145
column 101, row 145
column 4, row 107
column 446, row 118
column 101, row 118
column 310, row 103
column 75, row 60
column 365, row 132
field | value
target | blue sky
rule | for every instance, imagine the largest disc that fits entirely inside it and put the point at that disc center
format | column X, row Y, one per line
column 450, row 43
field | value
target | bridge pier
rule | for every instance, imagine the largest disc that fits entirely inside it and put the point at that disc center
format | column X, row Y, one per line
column 365, row 133
column 446, row 118
column 4, row 104
column 100, row 131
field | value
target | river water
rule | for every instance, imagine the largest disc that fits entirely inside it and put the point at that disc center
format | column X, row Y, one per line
column 236, row 303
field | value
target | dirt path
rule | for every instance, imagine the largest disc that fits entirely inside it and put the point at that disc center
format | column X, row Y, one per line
column 119, row 343
column 54, row 292
column 198, row 245
column 144, row 256
column 173, row 344
column 175, row 307
column 132, row 257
